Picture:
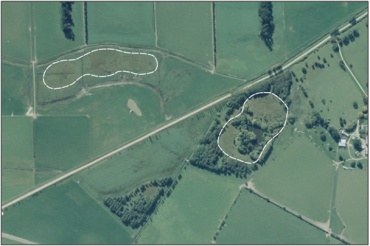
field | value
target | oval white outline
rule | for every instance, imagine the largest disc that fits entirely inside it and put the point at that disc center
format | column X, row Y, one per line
column 286, row 117
column 94, row 75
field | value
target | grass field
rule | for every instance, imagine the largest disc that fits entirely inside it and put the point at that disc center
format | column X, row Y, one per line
column 63, row 208
column 15, row 182
column 298, row 175
column 8, row 241
column 126, row 23
column 175, row 29
column 263, row 223
column 16, row 20
column 16, row 89
column 178, row 80
column 305, row 22
column 319, row 84
column 198, row 203
column 164, row 154
column 49, row 36
column 61, row 143
column 352, row 203
column 357, row 53
column 111, row 122
column 239, row 49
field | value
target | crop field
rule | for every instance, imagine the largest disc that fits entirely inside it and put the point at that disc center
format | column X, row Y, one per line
column 111, row 122
column 352, row 203
column 319, row 18
column 8, row 241
column 61, row 143
column 164, row 154
column 239, row 49
column 357, row 53
column 298, row 162
column 125, row 23
column 16, row 17
column 178, row 80
column 63, row 208
column 48, row 30
column 319, row 84
column 264, row 223
column 175, row 29
column 15, row 89
column 16, row 182
column 198, row 203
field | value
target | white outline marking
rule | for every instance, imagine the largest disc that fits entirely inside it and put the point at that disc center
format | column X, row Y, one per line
column 99, row 76
column 286, row 117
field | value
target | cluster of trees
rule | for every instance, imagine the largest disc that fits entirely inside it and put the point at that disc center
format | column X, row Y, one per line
column 282, row 85
column 357, row 144
column 67, row 21
column 346, row 40
column 135, row 208
column 86, row 28
column 267, row 23
column 358, row 164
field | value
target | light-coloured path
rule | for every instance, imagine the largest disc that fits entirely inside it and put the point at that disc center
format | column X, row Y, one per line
column 94, row 75
column 17, row 239
column 222, row 98
column 349, row 70
column 236, row 116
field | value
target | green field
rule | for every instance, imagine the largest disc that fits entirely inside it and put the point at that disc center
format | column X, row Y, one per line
column 306, row 21
column 175, row 27
column 15, row 182
column 64, row 214
column 193, row 211
column 164, row 154
column 61, row 143
column 177, row 80
column 111, row 122
column 298, row 175
column 357, row 53
column 319, row 84
column 49, row 36
column 263, row 223
column 16, row 17
column 352, row 203
column 8, row 241
column 125, row 23
column 16, row 89
column 239, row 49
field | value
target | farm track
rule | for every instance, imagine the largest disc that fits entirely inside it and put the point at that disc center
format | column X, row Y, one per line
column 17, row 239
column 186, row 116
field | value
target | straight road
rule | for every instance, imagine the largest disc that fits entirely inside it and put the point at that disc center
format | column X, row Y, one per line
column 17, row 239
column 228, row 95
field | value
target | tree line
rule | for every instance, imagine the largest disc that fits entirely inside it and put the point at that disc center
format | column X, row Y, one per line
column 67, row 21
column 267, row 24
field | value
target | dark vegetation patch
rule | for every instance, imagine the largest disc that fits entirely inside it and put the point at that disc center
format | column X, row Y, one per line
column 267, row 24
column 67, row 21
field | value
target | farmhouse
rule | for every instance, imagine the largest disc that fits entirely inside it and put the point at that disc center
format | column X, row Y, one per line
column 342, row 143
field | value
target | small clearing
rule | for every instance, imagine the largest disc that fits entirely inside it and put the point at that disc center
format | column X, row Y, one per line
column 131, row 104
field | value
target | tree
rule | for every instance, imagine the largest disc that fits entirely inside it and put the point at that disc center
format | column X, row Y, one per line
column 334, row 134
column 323, row 136
column 357, row 144
column 356, row 33
column 342, row 66
column 304, row 71
column 359, row 165
column 355, row 105
column 353, row 164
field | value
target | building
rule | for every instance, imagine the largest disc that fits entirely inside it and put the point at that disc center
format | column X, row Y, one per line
column 342, row 143
column 345, row 134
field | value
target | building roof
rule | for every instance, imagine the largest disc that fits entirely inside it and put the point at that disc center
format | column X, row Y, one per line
column 342, row 143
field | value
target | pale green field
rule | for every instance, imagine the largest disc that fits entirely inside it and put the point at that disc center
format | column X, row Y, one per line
column 176, row 22
column 165, row 154
column 126, row 23
column 239, row 49
column 63, row 214
column 15, row 182
column 111, row 122
column 357, row 53
column 193, row 211
column 319, row 84
column 62, row 143
column 8, row 241
column 352, row 204
column 298, row 175
column 50, row 40
column 16, row 89
column 306, row 21
column 253, row 220
column 16, row 20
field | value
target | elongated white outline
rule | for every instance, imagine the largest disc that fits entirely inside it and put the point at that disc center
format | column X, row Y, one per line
column 286, row 117
column 97, row 76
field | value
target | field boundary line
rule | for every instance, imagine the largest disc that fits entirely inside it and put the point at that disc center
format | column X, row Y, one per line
column 17, row 239
column 98, row 76
column 349, row 70
column 232, row 118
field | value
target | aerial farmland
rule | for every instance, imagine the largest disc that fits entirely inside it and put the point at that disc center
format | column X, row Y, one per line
column 184, row 123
